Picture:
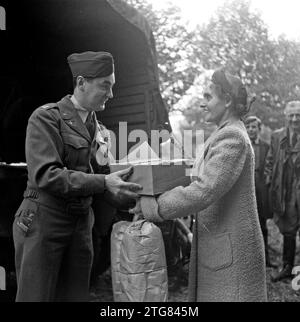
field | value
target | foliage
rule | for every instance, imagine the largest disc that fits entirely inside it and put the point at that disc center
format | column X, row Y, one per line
column 176, row 48
column 237, row 38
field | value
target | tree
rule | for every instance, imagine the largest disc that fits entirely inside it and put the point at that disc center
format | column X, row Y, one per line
column 237, row 38
column 177, row 50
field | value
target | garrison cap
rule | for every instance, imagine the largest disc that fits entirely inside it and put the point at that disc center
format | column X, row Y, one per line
column 91, row 64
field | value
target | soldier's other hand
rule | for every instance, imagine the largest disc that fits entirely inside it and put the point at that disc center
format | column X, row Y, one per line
column 116, row 184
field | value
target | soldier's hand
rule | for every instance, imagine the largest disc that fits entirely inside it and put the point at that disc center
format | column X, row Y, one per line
column 115, row 183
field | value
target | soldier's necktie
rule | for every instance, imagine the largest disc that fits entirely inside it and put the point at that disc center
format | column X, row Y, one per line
column 89, row 123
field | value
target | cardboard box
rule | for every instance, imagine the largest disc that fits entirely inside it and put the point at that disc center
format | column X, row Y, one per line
column 157, row 177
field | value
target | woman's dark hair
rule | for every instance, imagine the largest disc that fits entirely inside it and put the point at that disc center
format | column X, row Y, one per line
column 227, row 84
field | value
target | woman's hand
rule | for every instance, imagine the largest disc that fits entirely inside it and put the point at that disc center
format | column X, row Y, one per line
column 146, row 207
column 137, row 210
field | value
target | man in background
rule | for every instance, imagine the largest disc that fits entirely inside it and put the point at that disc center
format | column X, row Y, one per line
column 260, row 147
column 282, row 173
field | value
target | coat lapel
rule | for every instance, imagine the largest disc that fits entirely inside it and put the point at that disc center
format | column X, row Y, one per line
column 284, row 146
column 200, row 158
column 208, row 142
column 72, row 118
column 283, row 139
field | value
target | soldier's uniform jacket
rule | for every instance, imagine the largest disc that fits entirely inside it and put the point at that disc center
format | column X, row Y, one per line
column 60, row 152
column 64, row 161
column 276, row 163
column 53, row 225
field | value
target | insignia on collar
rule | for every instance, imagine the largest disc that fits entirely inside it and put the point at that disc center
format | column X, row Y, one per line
column 49, row 105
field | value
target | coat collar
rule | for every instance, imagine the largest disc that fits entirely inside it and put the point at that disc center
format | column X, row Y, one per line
column 284, row 139
column 71, row 117
column 283, row 135
column 257, row 141
column 220, row 127
column 229, row 122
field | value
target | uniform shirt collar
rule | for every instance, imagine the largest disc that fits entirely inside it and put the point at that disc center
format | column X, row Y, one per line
column 83, row 113
column 256, row 141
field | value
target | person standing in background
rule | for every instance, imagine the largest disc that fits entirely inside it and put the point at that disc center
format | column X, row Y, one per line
column 282, row 172
column 260, row 148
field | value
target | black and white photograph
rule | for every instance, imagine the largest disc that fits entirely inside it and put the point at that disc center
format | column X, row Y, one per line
column 149, row 153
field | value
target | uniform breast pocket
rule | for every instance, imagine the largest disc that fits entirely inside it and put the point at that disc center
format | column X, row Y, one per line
column 216, row 252
column 26, row 216
column 76, row 151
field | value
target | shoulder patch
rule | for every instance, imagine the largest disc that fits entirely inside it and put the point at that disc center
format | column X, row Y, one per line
column 49, row 106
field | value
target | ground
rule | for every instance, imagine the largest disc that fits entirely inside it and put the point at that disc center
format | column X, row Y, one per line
column 277, row 292
column 280, row 291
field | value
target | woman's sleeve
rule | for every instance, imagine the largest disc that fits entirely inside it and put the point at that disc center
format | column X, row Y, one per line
column 222, row 168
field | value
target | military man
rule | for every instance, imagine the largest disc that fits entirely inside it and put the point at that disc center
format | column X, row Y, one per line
column 260, row 147
column 53, row 225
column 282, row 172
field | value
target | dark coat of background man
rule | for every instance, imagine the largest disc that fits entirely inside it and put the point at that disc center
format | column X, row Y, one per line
column 282, row 173
column 53, row 225
column 260, row 148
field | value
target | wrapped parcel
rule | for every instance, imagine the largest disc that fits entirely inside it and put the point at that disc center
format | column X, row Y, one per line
column 138, row 263
column 157, row 176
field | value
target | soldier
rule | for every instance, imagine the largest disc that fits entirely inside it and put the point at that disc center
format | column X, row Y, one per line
column 282, row 173
column 53, row 225
column 260, row 147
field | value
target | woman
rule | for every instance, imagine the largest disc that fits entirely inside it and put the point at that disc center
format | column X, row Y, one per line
column 227, row 257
